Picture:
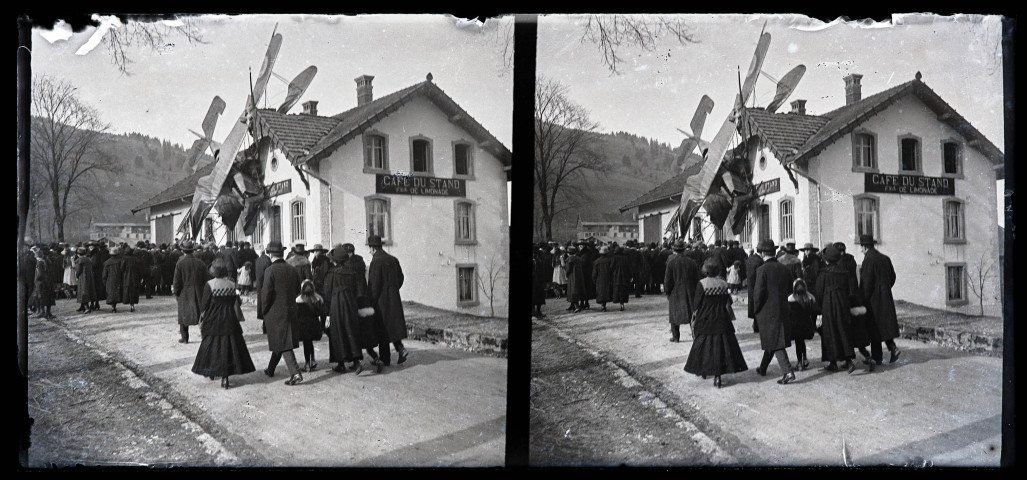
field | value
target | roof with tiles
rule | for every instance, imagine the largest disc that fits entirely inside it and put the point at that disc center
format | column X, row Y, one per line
column 296, row 134
column 665, row 190
column 181, row 189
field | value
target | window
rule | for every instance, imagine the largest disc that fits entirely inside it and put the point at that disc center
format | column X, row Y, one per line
column 955, row 226
column 867, row 216
column 696, row 229
column 462, row 162
column 746, row 235
column 952, row 159
column 955, row 284
column 258, row 233
column 299, row 230
column 420, row 155
column 376, row 152
column 275, row 219
column 208, row 225
column 764, row 223
column 909, row 154
column 466, row 293
column 787, row 217
column 379, row 217
column 464, row 214
column 864, row 151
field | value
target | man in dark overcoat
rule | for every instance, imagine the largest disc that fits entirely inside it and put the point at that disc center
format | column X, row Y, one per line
column 863, row 329
column 660, row 270
column 639, row 269
column 114, row 278
column 621, row 276
column 145, row 259
column 588, row 257
column 876, row 279
column 168, row 268
column 772, row 287
column 96, row 254
column 130, row 281
column 602, row 277
column 259, row 266
column 44, row 291
column 384, row 279
column 811, row 264
column 27, row 274
column 278, row 294
column 751, row 265
column 187, row 286
column 680, row 279
column 319, row 266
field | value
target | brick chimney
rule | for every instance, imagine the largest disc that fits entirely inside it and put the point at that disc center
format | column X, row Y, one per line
column 310, row 107
column 853, row 91
column 798, row 107
column 364, row 95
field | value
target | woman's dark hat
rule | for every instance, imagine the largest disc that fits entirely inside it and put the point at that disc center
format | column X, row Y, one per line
column 338, row 254
column 831, row 254
column 318, row 248
column 679, row 245
column 188, row 246
column 808, row 247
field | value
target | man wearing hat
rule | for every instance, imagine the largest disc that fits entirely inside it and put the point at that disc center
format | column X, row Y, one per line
column 876, row 279
column 602, row 276
column 680, row 280
column 187, row 286
column 114, row 278
column 146, row 277
column 319, row 266
column 300, row 261
column 259, row 266
column 863, row 329
column 790, row 258
column 278, row 294
column 811, row 264
column 86, row 293
column 384, row 279
column 131, row 277
column 771, row 289
column 752, row 263
column 576, row 289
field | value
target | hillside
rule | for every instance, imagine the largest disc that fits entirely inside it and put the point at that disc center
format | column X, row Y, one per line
column 635, row 165
column 144, row 167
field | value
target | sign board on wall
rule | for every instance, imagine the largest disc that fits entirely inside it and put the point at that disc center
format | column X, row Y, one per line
column 909, row 184
column 411, row 185
column 279, row 188
column 769, row 186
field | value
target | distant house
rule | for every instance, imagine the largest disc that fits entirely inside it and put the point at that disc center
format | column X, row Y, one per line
column 119, row 232
column 607, row 228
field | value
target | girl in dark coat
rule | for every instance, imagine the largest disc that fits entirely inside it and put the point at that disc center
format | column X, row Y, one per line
column 835, row 292
column 114, row 278
column 346, row 294
column 223, row 349
column 310, row 306
column 715, row 349
column 804, row 319
column 602, row 275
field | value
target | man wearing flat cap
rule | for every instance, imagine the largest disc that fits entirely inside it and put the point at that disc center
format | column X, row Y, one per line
column 876, row 279
column 771, row 289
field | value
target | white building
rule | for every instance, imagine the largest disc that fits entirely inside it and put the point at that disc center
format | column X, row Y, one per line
column 901, row 165
column 411, row 166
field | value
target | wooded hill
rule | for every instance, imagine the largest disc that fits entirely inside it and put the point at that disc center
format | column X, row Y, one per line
column 144, row 166
column 634, row 166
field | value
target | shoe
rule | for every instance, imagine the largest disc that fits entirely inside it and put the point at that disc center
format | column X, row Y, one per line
column 211, row 378
column 182, row 340
column 832, row 367
column 870, row 366
column 716, row 382
column 293, row 380
column 894, row 355
column 340, row 368
column 379, row 366
column 269, row 373
column 576, row 310
column 312, row 365
column 674, row 340
column 571, row 308
column 81, row 309
column 761, row 371
column 402, row 357
column 224, row 383
column 788, row 378
column 622, row 308
column 851, row 366
column 604, row 308
column 114, row 309
column 132, row 308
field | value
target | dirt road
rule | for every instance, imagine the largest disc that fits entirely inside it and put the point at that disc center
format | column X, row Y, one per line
column 935, row 406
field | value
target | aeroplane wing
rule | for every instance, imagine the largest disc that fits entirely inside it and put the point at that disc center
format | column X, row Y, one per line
column 785, row 87
column 297, row 86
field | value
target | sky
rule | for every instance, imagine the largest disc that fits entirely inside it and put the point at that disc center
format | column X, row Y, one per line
column 655, row 93
column 167, row 93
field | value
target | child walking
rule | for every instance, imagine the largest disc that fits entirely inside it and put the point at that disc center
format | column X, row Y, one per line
column 244, row 281
column 734, row 277
column 803, row 317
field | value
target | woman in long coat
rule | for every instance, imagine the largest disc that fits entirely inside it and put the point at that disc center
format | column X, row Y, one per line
column 602, row 275
column 86, row 293
column 715, row 349
column 131, row 280
column 836, row 293
column 346, row 293
column 621, row 277
column 223, row 349
column 577, row 291
column 98, row 260
column 44, row 287
column 114, row 278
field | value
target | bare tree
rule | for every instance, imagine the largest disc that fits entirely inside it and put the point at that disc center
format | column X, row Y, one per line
column 156, row 35
column 978, row 275
column 66, row 136
column 487, row 283
column 612, row 33
column 563, row 133
column 498, row 33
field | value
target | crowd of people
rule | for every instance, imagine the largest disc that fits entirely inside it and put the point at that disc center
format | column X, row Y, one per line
column 301, row 297
column 791, row 294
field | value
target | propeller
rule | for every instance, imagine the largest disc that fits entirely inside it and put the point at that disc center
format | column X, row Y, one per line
column 785, row 87
column 297, row 86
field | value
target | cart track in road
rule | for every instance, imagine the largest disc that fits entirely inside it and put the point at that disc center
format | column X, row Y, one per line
column 655, row 427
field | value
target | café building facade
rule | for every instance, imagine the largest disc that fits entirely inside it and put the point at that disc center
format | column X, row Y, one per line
column 411, row 166
column 901, row 165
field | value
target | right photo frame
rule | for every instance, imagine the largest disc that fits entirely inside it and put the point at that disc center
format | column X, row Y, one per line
column 771, row 241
